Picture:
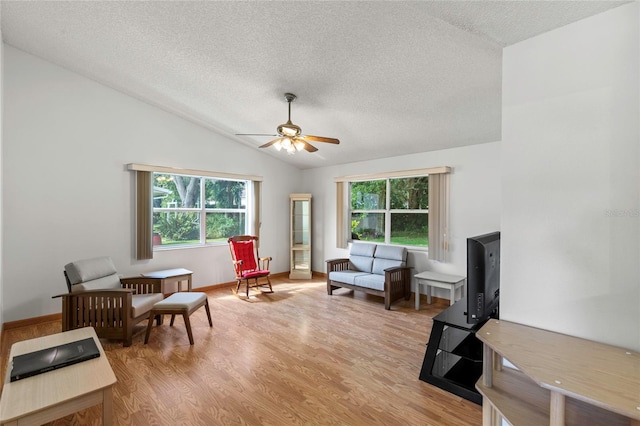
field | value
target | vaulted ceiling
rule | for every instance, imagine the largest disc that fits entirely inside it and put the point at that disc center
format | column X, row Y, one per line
column 386, row 78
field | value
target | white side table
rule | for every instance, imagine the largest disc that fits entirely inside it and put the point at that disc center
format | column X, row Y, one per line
column 436, row 279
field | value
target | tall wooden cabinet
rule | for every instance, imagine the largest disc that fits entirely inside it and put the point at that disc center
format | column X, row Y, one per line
column 300, row 236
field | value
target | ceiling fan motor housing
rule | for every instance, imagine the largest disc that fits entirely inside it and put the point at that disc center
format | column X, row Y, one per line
column 289, row 129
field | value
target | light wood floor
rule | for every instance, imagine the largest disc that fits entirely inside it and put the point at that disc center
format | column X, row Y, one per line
column 293, row 357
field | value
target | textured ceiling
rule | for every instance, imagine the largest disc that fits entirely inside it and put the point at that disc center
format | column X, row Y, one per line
column 386, row 78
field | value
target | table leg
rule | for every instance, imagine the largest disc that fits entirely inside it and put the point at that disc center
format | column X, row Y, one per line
column 428, row 294
column 556, row 409
column 490, row 416
column 107, row 406
column 417, row 295
column 452, row 298
column 189, row 282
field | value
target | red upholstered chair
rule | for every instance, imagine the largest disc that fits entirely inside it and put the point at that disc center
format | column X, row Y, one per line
column 249, row 267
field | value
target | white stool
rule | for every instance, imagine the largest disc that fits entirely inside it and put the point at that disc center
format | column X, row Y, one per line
column 436, row 279
column 179, row 304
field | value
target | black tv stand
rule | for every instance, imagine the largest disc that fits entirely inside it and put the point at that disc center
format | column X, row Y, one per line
column 453, row 360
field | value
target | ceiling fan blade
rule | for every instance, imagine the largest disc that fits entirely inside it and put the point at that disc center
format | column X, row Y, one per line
column 255, row 134
column 321, row 139
column 268, row 144
column 309, row 148
column 305, row 145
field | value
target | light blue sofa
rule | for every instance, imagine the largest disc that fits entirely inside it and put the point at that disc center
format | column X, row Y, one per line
column 378, row 269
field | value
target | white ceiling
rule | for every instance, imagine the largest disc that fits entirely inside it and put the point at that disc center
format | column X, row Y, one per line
column 386, row 78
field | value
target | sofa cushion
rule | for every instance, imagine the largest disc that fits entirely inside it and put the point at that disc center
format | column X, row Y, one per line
column 104, row 283
column 388, row 256
column 89, row 269
column 391, row 252
column 379, row 265
column 346, row 276
column 361, row 263
column 142, row 303
column 372, row 281
column 362, row 249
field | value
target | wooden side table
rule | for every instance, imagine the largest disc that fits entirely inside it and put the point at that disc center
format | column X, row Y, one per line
column 58, row 393
column 436, row 279
column 169, row 276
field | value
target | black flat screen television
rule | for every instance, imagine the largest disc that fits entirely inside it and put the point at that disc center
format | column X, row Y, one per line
column 483, row 277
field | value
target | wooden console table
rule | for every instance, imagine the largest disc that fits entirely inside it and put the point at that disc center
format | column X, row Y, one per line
column 561, row 380
column 58, row 393
column 169, row 276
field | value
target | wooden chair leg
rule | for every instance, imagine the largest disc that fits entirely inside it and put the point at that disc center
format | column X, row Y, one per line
column 128, row 335
column 173, row 317
column 149, row 326
column 187, row 324
column 206, row 307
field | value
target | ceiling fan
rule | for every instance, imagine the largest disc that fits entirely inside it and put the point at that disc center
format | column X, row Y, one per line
column 290, row 137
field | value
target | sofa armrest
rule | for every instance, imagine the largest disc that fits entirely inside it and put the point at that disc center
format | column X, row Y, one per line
column 98, row 292
column 397, row 284
column 398, row 274
column 337, row 265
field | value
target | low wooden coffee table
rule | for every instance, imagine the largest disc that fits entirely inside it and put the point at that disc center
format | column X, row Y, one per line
column 58, row 393
column 169, row 276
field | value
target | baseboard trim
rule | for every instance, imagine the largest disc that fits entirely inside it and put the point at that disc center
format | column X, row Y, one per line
column 31, row 321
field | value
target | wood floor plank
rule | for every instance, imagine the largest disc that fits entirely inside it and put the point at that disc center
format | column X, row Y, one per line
column 296, row 356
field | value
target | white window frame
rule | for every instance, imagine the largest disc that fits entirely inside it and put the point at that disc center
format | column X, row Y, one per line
column 203, row 210
column 438, row 248
column 145, row 209
column 387, row 211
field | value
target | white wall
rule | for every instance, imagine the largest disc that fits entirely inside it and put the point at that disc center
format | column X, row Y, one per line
column 1, row 149
column 475, row 201
column 67, row 194
column 570, row 234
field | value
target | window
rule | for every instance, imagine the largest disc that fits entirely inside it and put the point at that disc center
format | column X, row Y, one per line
column 190, row 210
column 392, row 211
column 409, row 207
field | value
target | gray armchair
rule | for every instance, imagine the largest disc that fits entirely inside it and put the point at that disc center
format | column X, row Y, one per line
column 99, row 298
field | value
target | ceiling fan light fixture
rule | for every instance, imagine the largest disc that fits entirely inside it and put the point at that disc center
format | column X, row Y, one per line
column 289, row 145
column 299, row 145
column 286, row 143
column 278, row 145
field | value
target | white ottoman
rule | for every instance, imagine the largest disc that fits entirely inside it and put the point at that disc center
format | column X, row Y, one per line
column 179, row 304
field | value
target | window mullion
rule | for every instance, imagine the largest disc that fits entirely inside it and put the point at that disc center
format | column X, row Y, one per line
column 387, row 215
column 203, row 214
